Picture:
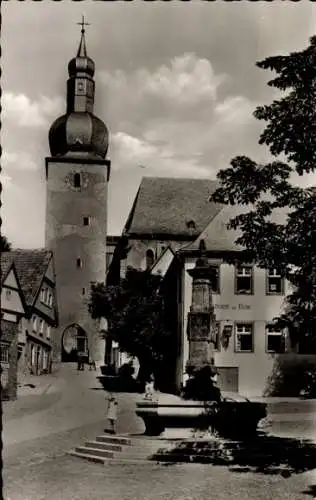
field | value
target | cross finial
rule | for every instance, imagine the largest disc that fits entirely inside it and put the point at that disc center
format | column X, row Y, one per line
column 83, row 24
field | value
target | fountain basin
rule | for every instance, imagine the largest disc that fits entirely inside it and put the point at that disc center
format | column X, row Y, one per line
column 235, row 417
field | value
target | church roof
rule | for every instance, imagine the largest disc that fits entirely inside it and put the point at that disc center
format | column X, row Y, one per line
column 172, row 207
column 31, row 266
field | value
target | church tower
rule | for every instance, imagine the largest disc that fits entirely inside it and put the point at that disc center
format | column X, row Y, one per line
column 77, row 174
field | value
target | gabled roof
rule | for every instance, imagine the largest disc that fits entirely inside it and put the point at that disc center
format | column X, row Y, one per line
column 218, row 237
column 31, row 266
column 172, row 207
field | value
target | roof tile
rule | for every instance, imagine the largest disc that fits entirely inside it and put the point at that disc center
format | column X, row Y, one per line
column 31, row 266
column 167, row 206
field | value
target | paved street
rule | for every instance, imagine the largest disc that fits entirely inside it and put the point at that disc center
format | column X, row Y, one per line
column 40, row 428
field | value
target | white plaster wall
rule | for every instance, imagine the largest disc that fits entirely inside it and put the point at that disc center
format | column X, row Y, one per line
column 259, row 308
column 12, row 302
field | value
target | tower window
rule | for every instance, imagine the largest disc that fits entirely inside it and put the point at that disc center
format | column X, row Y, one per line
column 86, row 221
column 77, row 180
column 79, row 262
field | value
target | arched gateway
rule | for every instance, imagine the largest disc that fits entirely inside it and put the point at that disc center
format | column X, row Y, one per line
column 74, row 340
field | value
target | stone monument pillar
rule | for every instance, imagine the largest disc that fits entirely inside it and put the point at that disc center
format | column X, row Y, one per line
column 201, row 318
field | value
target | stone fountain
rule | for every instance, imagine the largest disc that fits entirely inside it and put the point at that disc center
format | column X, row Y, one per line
column 201, row 406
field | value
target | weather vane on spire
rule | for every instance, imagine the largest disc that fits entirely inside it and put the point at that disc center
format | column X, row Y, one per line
column 83, row 24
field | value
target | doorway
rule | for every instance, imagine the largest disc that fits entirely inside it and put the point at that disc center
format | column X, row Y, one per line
column 74, row 340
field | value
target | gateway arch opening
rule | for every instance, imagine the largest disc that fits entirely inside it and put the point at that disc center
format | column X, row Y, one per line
column 74, row 340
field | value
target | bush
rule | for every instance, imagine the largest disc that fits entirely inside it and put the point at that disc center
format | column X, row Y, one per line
column 292, row 375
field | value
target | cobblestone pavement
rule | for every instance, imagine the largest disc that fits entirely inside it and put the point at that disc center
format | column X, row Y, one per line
column 68, row 478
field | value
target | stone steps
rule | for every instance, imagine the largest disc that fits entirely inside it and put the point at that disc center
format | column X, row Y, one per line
column 117, row 449
column 86, row 456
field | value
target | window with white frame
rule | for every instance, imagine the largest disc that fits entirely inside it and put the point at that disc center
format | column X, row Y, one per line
column 244, row 337
column 42, row 295
column 34, row 323
column 275, row 282
column 275, row 340
column 48, row 332
column 41, row 328
column 244, row 280
column 4, row 352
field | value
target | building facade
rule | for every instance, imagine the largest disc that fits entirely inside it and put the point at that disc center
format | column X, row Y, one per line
column 36, row 274
column 12, row 338
column 246, row 300
column 77, row 175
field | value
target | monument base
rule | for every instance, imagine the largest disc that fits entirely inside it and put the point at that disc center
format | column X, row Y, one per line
column 179, row 418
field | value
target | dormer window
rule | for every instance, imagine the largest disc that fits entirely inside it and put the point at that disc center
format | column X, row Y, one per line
column 191, row 224
column 77, row 180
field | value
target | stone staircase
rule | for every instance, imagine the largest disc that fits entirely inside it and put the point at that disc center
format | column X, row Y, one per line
column 111, row 449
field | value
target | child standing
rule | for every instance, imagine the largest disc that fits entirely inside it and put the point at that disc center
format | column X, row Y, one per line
column 149, row 388
column 112, row 412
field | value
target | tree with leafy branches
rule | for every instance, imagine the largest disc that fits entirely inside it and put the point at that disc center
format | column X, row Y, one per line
column 289, row 246
column 5, row 244
column 137, row 320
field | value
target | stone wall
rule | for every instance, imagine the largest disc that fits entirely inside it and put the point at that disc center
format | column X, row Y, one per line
column 76, row 228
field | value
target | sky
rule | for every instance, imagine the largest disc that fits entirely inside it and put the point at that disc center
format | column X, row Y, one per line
column 176, row 84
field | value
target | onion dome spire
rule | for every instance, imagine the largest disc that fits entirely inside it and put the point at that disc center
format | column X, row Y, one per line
column 79, row 130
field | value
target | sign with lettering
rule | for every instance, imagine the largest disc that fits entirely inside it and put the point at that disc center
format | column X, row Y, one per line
column 242, row 307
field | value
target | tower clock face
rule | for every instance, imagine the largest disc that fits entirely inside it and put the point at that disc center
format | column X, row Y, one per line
column 81, row 87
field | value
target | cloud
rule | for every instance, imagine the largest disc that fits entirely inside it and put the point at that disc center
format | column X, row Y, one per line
column 18, row 161
column 21, row 110
column 174, row 119
column 130, row 152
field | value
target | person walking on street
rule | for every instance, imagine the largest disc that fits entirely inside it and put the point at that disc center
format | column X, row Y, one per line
column 112, row 413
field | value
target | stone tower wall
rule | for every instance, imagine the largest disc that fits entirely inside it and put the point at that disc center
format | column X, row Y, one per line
column 70, row 240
